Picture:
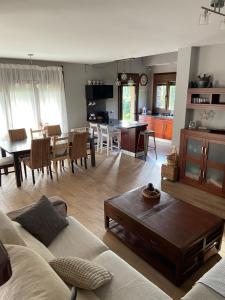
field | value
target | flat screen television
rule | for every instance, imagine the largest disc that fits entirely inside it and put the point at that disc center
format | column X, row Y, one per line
column 95, row 92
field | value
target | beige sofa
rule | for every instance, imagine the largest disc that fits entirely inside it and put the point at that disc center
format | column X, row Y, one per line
column 76, row 240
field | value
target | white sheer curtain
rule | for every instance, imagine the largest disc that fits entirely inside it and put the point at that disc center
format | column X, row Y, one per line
column 30, row 95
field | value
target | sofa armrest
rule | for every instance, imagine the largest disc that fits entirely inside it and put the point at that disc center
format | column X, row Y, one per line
column 58, row 203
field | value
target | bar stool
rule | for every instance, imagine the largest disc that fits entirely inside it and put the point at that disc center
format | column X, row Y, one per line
column 146, row 134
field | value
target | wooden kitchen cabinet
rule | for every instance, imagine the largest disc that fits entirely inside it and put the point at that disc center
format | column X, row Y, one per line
column 202, row 160
column 163, row 127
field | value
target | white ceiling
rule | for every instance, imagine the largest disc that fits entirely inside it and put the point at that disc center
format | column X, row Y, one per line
column 93, row 31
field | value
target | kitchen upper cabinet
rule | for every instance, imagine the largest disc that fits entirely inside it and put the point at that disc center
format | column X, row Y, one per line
column 163, row 127
column 202, row 160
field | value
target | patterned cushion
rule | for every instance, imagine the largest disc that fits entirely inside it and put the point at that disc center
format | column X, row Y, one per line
column 80, row 273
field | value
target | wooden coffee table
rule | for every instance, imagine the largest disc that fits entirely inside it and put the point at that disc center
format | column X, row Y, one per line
column 173, row 236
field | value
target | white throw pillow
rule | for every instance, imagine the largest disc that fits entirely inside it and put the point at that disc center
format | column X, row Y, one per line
column 8, row 232
column 32, row 278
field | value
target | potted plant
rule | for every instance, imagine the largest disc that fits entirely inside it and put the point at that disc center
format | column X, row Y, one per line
column 204, row 80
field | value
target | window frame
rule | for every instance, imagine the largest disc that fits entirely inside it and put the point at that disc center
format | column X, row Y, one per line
column 167, row 79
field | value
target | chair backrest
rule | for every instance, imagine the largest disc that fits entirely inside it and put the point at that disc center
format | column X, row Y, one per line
column 79, row 129
column 40, row 155
column 79, row 145
column 60, row 148
column 17, row 134
column 104, row 129
column 53, row 130
column 94, row 127
column 36, row 133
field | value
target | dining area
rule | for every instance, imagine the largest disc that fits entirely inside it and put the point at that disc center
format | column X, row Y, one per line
column 45, row 150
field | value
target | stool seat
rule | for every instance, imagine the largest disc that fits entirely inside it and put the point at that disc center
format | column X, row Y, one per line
column 146, row 134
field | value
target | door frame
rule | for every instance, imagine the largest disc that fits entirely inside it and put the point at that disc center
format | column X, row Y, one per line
column 135, row 77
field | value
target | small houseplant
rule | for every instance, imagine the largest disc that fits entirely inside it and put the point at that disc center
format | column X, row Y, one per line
column 204, row 80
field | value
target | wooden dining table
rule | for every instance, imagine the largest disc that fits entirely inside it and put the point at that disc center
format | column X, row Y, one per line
column 21, row 148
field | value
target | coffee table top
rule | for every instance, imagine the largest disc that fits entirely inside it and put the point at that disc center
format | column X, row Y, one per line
column 176, row 221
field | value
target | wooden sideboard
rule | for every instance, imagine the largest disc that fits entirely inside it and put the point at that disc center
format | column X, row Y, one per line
column 202, row 160
column 163, row 127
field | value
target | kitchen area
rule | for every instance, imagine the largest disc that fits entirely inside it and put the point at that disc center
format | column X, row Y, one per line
column 156, row 116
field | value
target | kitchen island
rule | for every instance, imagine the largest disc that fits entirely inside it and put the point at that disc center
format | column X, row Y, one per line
column 129, row 136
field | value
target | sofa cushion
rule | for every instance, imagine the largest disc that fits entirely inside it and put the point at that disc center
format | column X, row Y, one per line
column 202, row 292
column 32, row 278
column 42, row 221
column 76, row 240
column 8, row 232
column 33, row 243
column 126, row 283
column 80, row 273
column 86, row 295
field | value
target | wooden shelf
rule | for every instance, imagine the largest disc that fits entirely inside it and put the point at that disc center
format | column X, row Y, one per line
column 214, row 98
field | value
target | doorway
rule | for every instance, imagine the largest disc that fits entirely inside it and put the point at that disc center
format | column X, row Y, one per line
column 128, row 100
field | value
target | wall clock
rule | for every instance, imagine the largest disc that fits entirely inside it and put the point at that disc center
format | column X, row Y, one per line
column 143, row 79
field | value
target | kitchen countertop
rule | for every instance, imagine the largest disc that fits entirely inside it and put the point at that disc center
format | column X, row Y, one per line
column 125, row 124
column 158, row 116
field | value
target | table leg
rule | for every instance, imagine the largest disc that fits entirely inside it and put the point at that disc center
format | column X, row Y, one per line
column 17, row 169
column 106, row 222
column 3, row 153
column 92, row 149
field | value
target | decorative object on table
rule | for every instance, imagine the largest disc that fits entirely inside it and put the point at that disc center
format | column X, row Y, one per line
column 193, row 84
column 216, row 6
column 192, row 125
column 170, row 169
column 5, row 265
column 144, row 110
column 143, row 79
column 204, row 80
column 150, row 192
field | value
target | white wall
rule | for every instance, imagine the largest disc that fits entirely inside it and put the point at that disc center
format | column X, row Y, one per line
column 209, row 59
column 186, row 57
column 212, row 60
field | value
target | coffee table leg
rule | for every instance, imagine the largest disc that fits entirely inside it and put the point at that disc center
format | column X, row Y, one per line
column 106, row 222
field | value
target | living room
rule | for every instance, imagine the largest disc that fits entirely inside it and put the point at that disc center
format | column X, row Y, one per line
column 114, row 242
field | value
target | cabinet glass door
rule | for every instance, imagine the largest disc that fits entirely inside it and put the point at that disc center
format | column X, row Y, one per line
column 215, row 177
column 194, row 147
column 192, row 170
column 215, row 165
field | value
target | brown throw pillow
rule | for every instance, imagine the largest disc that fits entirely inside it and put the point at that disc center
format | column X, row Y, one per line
column 42, row 221
column 80, row 273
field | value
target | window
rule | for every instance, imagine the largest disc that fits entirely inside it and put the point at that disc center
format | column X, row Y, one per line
column 30, row 95
column 164, row 91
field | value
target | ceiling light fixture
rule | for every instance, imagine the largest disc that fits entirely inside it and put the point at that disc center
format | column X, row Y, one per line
column 124, row 75
column 216, row 5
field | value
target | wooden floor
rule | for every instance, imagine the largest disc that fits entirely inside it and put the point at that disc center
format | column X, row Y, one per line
column 86, row 191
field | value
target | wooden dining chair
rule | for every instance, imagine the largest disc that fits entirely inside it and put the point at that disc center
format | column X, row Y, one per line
column 17, row 134
column 40, row 156
column 60, row 152
column 36, row 133
column 79, row 148
column 5, row 163
column 53, row 130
